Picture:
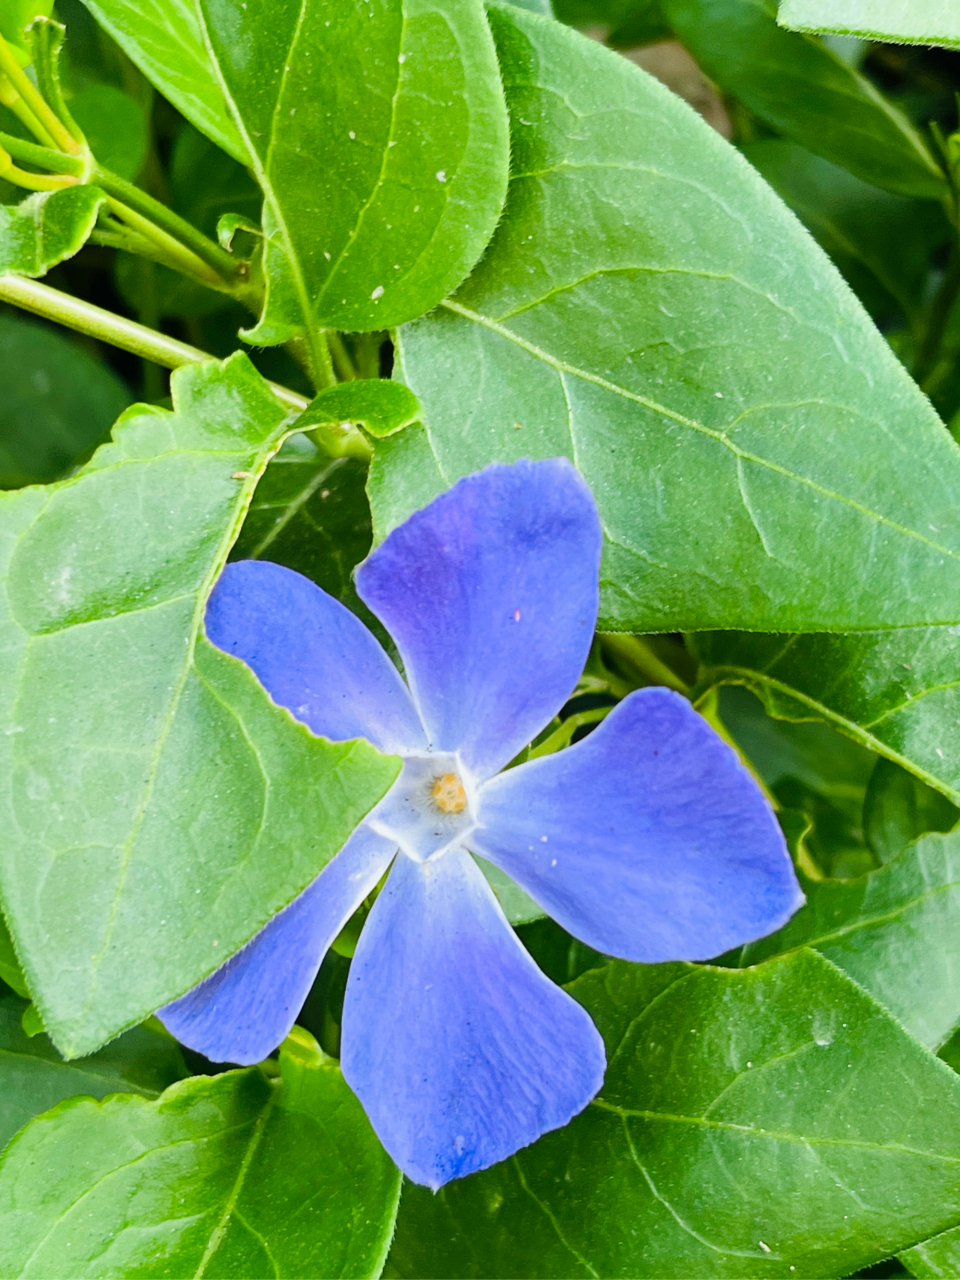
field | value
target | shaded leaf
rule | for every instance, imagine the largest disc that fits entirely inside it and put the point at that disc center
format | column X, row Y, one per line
column 878, row 929
column 58, row 401
column 114, row 127
column 897, row 692
column 46, row 228
column 899, row 807
column 382, row 408
column 936, row 1259
column 34, row 1077
column 379, row 137
column 750, row 1122
column 630, row 313
column 154, row 799
column 10, row 971
column 900, row 21
column 163, row 38
column 225, row 1176
column 805, row 91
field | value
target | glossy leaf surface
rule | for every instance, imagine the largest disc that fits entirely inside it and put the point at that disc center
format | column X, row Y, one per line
column 749, row 1123
column 163, row 38
column 58, row 401
column 156, row 800
column 45, row 228
column 806, row 92
column 642, row 350
column 379, row 137
column 897, row 692
column 230, row 1176
column 34, row 1077
column 878, row 929
column 900, row 21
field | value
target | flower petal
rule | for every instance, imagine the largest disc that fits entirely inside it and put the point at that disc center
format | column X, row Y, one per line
column 312, row 655
column 245, row 1009
column 459, row 1048
column 491, row 595
column 648, row 840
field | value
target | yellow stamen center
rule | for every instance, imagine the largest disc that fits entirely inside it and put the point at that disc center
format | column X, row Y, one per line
column 448, row 794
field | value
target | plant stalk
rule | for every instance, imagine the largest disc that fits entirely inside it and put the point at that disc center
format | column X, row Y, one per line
column 43, row 157
column 59, row 134
column 84, row 317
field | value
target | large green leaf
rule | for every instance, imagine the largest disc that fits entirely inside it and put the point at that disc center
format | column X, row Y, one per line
column 379, row 137
column 232, row 1176
column 114, row 126
column 806, row 92
column 158, row 808
column 163, row 38
column 897, row 692
column 46, row 228
column 770, row 1122
column 650, row 309
column 900, row 21
column 896, row 931
column 58, row 401
column 936, row 1259
column 34, row 1077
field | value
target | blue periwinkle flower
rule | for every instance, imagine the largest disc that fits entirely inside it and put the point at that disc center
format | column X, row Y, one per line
column 648, row 840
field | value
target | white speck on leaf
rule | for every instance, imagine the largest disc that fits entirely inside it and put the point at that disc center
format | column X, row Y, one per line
column 377, row 293
column 441, row 175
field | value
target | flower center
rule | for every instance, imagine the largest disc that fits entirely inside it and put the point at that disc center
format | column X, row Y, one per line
column 428, row 808
column 448, row 793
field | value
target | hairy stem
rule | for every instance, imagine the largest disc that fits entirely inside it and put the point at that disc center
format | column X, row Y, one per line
column 23, row 85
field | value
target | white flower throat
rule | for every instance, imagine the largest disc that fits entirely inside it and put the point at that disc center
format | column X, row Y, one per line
column 428, row 809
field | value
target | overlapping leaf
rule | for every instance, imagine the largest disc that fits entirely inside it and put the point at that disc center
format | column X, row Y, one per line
column 163, row 38
column 900, row 21
column 158, row 809
column 649, row 309
column 379, row 137
column 34, row 1077
column 896, row 931
column 772, row 1122
column 233, row 1175
column 806, row 92
column 897, row 691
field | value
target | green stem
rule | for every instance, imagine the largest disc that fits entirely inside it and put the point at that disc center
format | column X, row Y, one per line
column 12, row 100
column 84, row 317
column 32, row 181
column 227, row 268
column 344, row 366
column 709, row 707
column 560, row 738
column 43, row 157
column 183, row 259
column 59, row 134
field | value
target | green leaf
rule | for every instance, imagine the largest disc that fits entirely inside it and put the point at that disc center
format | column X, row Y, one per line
column 380, row 142
column 806, row 92
column 46, row 228
column 310, row 513
column 114, row 127
column 647, row 348
column 58, row 401
column 899, row 807
column 225, row 1176
column 158, row 808
column 896, row 692
column 163, row 38
column 382, row 408
column 936, row 1259
column 750, row 1122
column 881, row 242
column 10, row 971
column 34, row 1077
column 878, row 929
column 934, row 22
column 206, row 184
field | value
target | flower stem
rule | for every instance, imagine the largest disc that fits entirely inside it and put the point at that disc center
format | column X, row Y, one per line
column 227, row 268
column 175, row 253
column 118, row 331
column 43, row 157
column 60, row 136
